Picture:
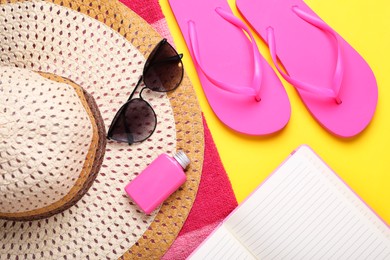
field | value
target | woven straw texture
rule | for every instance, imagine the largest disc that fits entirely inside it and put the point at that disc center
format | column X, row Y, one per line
column 34, row 156
column 101, row 46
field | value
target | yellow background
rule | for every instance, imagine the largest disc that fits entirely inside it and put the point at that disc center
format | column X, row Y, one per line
column 362, row 162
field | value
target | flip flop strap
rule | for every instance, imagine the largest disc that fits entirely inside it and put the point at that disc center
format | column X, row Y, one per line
column 308, row 87
column 257, row 75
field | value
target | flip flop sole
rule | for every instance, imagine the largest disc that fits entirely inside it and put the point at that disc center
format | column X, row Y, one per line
column 310, row 55
column 226, row 54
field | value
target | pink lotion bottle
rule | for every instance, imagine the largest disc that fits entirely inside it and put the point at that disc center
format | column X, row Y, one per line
column 158, row 181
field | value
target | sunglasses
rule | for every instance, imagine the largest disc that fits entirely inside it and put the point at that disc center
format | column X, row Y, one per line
column 136, row 120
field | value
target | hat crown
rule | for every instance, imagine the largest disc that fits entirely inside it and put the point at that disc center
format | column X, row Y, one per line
column 45, row 136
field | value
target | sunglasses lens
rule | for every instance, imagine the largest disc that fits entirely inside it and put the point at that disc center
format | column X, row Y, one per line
column 163, row 70
column 134, row 122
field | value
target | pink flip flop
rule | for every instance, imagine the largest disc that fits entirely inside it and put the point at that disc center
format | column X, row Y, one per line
column 333, row 80
column 240, row 86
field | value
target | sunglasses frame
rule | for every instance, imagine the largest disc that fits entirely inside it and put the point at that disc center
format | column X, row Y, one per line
column 148, row 64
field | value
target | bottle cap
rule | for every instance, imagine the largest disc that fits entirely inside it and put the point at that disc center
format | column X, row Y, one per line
column 182, row 159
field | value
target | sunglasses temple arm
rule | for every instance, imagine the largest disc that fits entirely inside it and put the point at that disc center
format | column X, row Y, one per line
column 138, row 83
column 169, row 59
column 174, row 58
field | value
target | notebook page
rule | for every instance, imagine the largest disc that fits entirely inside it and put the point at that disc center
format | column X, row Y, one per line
column 221, row 245
column 304, row 211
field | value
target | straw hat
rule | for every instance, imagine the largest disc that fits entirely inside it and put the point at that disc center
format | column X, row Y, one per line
column 66, row 67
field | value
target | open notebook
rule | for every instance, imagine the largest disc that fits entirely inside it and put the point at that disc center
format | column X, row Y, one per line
column 302, row 211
